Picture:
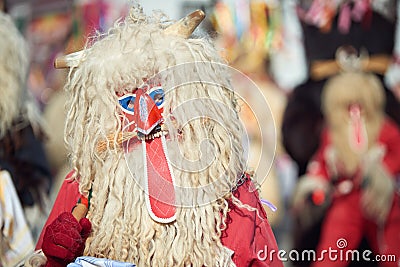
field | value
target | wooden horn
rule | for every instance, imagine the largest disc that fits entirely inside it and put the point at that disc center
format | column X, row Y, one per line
column 69, row 60
column 186, row 25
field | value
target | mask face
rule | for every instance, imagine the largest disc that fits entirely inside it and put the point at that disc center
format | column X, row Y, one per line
column 142, row 113
column 142, row 109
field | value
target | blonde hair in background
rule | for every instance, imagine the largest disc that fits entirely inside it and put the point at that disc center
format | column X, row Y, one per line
column 14, row 62
column 122, row 228
column 339, row 93
column 15, row 100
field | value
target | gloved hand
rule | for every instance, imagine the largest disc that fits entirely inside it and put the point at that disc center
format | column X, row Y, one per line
column 378, row 186
column 64, row 239
column 310, row 201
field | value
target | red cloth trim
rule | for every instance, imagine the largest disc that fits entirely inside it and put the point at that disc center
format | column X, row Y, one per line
column 249, row 234
column 246, row 234
column 317, row 166
column 66, row 200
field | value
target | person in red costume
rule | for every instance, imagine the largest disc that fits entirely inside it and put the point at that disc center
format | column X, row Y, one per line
column 251, row 248
column 157, row 154
column 355, row 169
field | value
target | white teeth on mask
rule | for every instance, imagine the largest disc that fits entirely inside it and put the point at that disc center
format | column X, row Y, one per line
column 154, row 135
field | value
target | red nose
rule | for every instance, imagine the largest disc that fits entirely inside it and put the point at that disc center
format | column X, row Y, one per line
column 147, row 114
column 358, row 137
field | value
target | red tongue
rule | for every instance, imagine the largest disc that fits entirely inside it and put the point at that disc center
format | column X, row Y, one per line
column 160, row 197
column 357, row 134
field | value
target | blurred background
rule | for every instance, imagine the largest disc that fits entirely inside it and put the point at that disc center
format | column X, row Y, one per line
column 264, row 39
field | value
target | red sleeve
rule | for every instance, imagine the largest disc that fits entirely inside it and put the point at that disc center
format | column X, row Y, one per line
column 390, row 138
column 249, row 235
column 317, row 166
column 66, row 199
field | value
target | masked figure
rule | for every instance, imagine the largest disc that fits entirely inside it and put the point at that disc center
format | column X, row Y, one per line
column 353, row 174
column 156, row 149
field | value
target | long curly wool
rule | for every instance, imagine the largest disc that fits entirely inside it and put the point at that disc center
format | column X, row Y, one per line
column 16, row 102
column 14, row 63
column 134, row 50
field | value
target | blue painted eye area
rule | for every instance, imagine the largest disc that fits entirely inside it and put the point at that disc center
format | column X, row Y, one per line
column 127, row 103
column 157, row 94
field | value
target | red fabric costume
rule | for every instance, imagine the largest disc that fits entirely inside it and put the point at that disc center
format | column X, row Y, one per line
column 345, row 218
column 151, row 149
column 248, row 233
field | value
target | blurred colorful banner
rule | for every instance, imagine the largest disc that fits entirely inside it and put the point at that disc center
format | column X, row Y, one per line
column 247, row 30
column 55, row 27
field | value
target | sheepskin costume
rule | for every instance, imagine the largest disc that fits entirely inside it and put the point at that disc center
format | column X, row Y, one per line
column 353, row 134
column 164, row 196
column 356, row 168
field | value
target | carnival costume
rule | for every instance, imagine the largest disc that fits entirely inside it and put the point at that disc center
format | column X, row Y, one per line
column 143, row 99
column 353, row 174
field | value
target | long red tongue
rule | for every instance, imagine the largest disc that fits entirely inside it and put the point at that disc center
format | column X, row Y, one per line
column 358, row 137
column 160, row 197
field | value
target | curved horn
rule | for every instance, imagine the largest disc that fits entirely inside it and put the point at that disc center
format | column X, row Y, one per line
column 186, row 26
column 69, row 60
column 183, row 28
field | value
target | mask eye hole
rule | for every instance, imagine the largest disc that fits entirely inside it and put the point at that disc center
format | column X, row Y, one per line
column 127, row 103
column 157, row 94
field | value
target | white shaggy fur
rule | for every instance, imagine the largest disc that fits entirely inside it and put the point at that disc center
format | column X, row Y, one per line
column 15, row 100
column 134, row 50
